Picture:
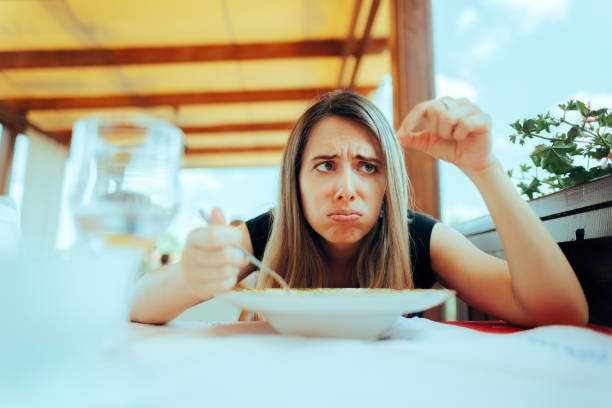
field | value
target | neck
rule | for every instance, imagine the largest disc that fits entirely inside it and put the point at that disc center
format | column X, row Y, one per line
column 341, row 255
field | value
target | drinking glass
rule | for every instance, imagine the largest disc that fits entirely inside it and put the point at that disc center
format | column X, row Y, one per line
column 123, row 189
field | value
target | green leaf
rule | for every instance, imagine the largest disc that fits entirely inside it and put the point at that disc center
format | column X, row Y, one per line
column 572, row 105
column 536, row 158
column 553, row 182
column 517, row 126
column 553, row 159
column 510, row 173
column 566, row 182
column 595, row 172
column 556, row 156
column 584, row 111
column 578, row 175
column 563, row 147
column 531, row 189
column 600, row 153
column 573, row 133
column 529, row 125
column 599, row 112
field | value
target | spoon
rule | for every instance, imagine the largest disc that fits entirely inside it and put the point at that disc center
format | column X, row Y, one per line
column 251, row 258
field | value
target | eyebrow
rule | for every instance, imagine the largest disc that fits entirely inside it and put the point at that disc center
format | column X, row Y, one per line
column 333, row 156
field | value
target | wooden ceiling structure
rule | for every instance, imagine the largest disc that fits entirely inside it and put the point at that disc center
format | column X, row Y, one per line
column 233, row 74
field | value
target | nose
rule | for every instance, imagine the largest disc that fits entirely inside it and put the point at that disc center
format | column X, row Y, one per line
column 346, row 189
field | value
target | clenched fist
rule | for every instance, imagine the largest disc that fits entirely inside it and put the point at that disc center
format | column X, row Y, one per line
column 211, row 262
column 453, row 130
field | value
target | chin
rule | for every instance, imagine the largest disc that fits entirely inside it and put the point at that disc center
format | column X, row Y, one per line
column 344, row 235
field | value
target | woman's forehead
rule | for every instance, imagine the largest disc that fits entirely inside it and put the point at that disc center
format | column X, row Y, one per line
column 336, row 135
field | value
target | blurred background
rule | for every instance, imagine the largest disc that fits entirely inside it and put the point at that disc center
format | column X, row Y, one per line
column 236, row 74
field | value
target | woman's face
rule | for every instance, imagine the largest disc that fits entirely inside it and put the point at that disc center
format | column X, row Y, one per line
column 342, row 182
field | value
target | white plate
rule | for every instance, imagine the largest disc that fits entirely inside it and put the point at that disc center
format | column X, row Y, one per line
column 346, row 313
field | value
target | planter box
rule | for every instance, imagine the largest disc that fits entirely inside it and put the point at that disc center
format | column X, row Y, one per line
column 580, row 220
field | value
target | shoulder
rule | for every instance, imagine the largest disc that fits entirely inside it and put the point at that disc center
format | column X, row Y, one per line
column 420, row 224
column 420, row 227
column 259, row 229
column 261, row 221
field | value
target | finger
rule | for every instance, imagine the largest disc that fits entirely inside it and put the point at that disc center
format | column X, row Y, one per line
column 414, row 120
column 446, row 125
column 474, row 123
column 461, row 131
column 217, row 216
column 226, row 256
column 219, row 287
column 213, row 276
column 215, row 236
column 479, row 123
column 418, row 141
column 433, row 117
column 449, row 119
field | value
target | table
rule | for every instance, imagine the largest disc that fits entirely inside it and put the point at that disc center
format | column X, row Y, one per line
column 501, row 327
column 422, row 363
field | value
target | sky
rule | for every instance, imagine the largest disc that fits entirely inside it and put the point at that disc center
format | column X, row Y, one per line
column 515, row 59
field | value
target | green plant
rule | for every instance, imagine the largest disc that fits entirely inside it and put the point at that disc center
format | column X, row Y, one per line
column 567, row 144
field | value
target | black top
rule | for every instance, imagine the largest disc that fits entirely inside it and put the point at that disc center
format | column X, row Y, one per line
column 419, row 227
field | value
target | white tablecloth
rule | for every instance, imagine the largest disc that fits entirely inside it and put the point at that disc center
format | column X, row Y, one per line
column 423, row 362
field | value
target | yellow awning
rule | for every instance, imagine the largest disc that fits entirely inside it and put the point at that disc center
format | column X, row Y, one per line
column 56, row 38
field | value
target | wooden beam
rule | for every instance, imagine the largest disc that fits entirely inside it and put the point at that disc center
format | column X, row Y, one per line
column 24, row 59
column 64, row 135
column 12, row 119
column 7, row 150
column 365, row 40
column 239, row 127
column 349, row 43
column 253, row 149
column 17, row 121
column 413, row 82
column 171, row 99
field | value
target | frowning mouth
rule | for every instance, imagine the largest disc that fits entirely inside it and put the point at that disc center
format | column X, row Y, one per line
column 344, row 216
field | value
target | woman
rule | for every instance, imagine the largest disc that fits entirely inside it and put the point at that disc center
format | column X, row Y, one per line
column 343, row 220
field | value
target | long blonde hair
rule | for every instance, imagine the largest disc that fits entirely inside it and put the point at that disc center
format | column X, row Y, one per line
column 294, row 249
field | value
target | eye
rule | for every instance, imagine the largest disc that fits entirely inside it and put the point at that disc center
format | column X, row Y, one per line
column 325, row 166
column 368, row 168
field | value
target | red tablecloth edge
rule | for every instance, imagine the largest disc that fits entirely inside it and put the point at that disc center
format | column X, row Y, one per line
column 501, row 327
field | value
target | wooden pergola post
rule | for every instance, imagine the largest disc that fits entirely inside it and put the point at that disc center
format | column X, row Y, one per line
column 413, row 82
column 7, row 148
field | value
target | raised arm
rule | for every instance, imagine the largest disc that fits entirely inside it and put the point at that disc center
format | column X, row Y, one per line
column 210, row 265
column 537, row 284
